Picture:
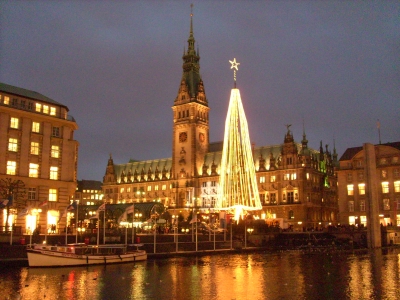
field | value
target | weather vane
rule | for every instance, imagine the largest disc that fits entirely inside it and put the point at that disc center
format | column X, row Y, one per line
column 234, row 66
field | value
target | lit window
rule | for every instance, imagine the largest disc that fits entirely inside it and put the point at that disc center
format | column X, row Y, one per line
column 11, row 167
column 36, row 127
column 362, row 205
column 361, row 188
column 286, row 176
column 14, row 123
column 52, row 111
column 293, row 176
column 32, row 194
column 386, row 204
column 128, row 190
column 38, row 107
column 273, row 178
column 122, row 190
column 45, row 109
column 6, row 100
column 54, row 173
column 33, row 170
column 351, row 206
column 164, row 187
column 55, row 151
column 266, row 198
column 397, row 186
column 149, row 188
column 34, row 148
column 12, row 144
column 52, row 194
column 262, row 179
column 308, row 176
column 385, row 187
column 384, row 174
column 56, row 131
column 363, row 220
column 156, row 188
column 350, row 190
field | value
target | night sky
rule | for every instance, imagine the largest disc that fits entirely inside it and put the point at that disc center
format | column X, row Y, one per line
column 117, row 65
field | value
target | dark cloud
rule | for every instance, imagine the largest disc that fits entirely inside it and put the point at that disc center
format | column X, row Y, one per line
column 332, row 65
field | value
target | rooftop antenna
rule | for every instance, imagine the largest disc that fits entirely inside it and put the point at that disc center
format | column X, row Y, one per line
column 234, row 66
column 378, row 124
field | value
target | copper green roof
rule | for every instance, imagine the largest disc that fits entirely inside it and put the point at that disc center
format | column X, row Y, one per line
column 17, row 91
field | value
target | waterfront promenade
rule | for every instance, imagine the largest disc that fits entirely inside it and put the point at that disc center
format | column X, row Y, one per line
column 169, row 245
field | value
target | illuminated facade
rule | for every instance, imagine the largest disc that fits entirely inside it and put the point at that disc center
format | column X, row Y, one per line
column 296, row 184
column 89, row 192
column 352, row 179
column 37, row 146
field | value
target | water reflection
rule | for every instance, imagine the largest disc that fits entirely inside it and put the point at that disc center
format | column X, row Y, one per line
column 287, row 275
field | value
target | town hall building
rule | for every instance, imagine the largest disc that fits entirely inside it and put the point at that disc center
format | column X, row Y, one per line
column 297, row 184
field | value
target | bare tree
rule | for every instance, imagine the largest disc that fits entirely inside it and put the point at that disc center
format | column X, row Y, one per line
column 15, row 192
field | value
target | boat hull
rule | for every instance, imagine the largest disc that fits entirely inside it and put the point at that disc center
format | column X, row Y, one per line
column 43, row 258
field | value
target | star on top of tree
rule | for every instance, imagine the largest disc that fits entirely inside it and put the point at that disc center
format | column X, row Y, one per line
column 234, row 64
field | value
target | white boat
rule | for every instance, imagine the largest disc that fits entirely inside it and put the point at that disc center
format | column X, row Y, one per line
column 82, row 254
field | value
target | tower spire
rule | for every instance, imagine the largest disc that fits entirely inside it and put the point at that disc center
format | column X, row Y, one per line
column 191, row 40
column 191, row 66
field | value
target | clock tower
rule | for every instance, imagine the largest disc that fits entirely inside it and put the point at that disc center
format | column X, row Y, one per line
column 191, row 124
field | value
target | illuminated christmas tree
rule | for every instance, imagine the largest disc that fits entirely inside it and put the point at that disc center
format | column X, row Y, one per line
column 238, row 191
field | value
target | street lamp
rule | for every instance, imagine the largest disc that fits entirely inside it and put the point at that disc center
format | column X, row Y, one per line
column 176, row 232
column 81, row 231
column 137, row 216
column 140, row 193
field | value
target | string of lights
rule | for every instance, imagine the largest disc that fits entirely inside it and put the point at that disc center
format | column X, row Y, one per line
column 238, row 191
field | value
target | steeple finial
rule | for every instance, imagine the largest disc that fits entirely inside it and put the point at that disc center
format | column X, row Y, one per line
column 304, row 141
column 191, row 19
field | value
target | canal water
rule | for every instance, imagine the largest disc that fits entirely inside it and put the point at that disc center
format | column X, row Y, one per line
column 283, row 275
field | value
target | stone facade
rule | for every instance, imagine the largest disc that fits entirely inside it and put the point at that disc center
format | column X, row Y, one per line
column 37, row 146
column 354, row 191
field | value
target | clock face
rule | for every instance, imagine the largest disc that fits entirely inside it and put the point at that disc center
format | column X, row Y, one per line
column 182, row 137
column 202, row 137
